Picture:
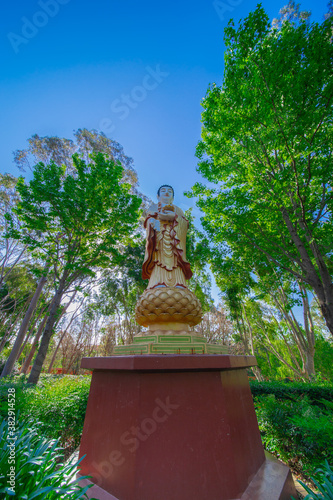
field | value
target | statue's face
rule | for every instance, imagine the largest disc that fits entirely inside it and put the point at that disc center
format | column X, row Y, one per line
column 166, row 195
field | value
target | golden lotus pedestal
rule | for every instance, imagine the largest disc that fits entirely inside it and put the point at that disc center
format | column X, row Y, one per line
column 168, row 312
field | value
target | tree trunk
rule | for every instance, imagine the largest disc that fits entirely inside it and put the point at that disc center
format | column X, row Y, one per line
column 24, row 326
column 30, row 332
column 319, row 279
column 305, row 343
column 294, row 366
column 4, row 268
column 256, row 370
column 241, row 330
column 309, row 364
column 62, row 336
column 26, row 364
column 47, row 334
column 56, row 351
column 327, row 312
column 8, row 333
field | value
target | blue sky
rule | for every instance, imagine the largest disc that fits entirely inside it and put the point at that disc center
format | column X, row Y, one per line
column 134, row 70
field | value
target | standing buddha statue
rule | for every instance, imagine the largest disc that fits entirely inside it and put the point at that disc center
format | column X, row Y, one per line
column 167, row 304
column 165, row 261
column 167, row 307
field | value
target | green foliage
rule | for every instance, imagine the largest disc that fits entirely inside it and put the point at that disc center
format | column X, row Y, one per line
column 197, row 253
column 60, row 404
column 266, row 145
column 323, row 481
column 7, row 192
column 118, row 293
column 297, row 431
column 271, row 367
column 57, row 402
column 324, row 356
column 10, row 253
column 315, row 392
column 16, row 293
column 76, row 222
column 89, row 212
column 121, row 286
column 34, row 461
column 18, row 383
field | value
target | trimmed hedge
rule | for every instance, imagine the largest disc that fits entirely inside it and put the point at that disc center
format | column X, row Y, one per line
column 315, row 392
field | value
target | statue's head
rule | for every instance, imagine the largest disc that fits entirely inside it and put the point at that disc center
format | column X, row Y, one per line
column 165, row 194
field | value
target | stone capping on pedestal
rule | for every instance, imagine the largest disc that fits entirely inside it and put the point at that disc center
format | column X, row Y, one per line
column 177, row 362
column 95, row 491
column 272, row 478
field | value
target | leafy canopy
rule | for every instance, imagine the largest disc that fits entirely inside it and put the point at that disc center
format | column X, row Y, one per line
column 266, row 143
column 79, row 219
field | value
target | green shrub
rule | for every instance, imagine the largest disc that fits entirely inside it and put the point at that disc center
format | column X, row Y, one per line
column 297, row 431
column 18, row 383
column 282, row 390
column 33, row 464
column 58, row 401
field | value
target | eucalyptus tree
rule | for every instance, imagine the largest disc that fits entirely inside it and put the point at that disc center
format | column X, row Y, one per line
column 60, row 150
column 12, row 251
column 291, row 13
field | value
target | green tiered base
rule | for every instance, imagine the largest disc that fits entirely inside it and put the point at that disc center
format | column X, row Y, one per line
column 169, row 344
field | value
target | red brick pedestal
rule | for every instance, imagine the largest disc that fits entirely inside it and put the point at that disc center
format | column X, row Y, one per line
column 176, row 427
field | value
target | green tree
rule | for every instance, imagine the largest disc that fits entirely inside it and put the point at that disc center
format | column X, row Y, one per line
column 76, row 223
column 267, row 144
column 197, row 253
column 261, row 302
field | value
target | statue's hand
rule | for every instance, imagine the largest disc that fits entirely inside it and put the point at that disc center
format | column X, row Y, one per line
column 167, row 215
column 154, row 223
